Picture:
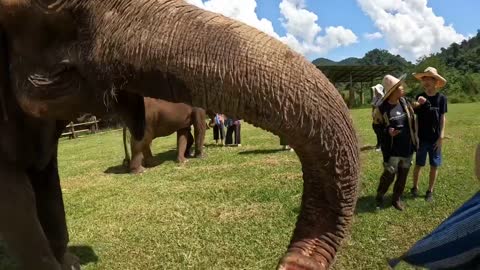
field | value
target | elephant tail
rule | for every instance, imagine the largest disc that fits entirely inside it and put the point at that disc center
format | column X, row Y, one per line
column 125, row 147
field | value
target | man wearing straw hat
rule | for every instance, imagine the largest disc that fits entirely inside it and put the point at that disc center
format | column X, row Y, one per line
column 431, row 127
column 399, row 139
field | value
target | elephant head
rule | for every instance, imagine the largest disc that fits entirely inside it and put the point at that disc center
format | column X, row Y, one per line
column 61, row 53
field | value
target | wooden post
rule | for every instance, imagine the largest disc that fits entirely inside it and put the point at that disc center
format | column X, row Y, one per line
column 372, row 94
column 72, row 130
column 96, row 123
column 360, row 94
column 351, row 100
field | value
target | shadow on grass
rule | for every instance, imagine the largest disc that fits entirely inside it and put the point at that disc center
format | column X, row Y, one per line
column 85, row 254
column 261, row 151
column 366, row 204
column 213, row 145
column 367, row 147
column 157, row 160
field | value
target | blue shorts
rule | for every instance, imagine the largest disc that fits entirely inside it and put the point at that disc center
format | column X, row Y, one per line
column 434, row 156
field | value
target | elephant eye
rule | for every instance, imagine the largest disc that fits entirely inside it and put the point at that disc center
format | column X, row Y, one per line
column 53, row 77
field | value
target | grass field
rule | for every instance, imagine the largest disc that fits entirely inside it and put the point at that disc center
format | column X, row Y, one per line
column 236, row 209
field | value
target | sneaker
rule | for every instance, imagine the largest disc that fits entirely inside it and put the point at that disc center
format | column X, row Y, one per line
column 414, row 192
column 428, row 196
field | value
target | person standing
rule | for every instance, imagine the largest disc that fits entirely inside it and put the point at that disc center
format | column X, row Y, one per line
column 376, row 122
column 431, row 128
column 398, row 128
column 284, row 144
column 218, row 130
column 233, row 127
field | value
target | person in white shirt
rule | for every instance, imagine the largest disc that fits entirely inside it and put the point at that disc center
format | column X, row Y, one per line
column 376, row 101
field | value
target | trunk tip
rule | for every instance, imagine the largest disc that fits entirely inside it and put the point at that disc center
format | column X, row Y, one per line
column 296, row 261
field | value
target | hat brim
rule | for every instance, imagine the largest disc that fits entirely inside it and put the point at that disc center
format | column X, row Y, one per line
column 401, row 81
column 440, row 80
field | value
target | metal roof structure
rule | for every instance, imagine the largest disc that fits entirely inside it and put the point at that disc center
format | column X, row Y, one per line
column 355, row 73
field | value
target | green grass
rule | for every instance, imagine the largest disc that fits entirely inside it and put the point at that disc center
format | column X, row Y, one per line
column 237, row 208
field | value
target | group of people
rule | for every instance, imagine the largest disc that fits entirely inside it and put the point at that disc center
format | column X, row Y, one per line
column 233, row 125
column 403, row 127
column 233, row 138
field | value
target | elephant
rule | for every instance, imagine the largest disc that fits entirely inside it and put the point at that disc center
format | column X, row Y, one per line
column 61, row 57
column 163, row 118
column 32, row 215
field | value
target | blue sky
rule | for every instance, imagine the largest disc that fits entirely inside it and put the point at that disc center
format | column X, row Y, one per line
column 350, row 28
column 462, row 14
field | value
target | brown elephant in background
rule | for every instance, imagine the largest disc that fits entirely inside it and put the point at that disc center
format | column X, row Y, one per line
column 163, row 118
column 60, row 57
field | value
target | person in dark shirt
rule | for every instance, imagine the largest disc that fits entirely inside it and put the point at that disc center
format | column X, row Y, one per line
column 431, row 128
column 399, row 139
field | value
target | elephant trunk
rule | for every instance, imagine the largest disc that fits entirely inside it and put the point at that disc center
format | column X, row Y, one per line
column 229, row 67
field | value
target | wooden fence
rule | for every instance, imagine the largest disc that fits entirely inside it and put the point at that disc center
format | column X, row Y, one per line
column 90, row 126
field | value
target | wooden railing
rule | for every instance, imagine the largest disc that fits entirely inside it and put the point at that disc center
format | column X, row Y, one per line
column 72, row 133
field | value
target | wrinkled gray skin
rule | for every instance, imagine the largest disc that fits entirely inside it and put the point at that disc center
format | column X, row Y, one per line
column 59, row 54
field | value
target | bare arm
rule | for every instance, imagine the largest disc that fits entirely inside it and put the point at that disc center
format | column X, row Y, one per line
column 442, row 126
column 438, row 144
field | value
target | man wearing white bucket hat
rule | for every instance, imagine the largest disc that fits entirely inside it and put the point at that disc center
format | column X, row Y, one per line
column 431, row 127
column 399, row 139
column 376, row 122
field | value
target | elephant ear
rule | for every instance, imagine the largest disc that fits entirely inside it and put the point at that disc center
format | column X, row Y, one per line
column 4, row 75
column 131, row 108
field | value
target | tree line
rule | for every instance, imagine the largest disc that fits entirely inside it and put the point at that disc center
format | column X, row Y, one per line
column 459, row 64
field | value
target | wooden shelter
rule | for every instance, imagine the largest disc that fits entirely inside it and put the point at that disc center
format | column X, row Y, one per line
column 354, row 74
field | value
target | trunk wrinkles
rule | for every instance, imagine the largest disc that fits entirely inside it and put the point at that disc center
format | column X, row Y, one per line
column 232, row 68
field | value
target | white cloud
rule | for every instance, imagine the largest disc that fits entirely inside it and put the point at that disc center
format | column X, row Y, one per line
column 302, row 30
column 410, row 27
column 242, row 10
column 373, row 36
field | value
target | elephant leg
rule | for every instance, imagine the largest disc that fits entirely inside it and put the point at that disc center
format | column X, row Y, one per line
column 188, row 149
column 182, row 140
column 200, row 129
column 19, row 226
column 147, row 155
column 51, row 212
column 137, row 156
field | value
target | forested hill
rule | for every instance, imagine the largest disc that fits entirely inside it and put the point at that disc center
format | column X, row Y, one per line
column 459, row 64
column 464, row 57
column 373, row 57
